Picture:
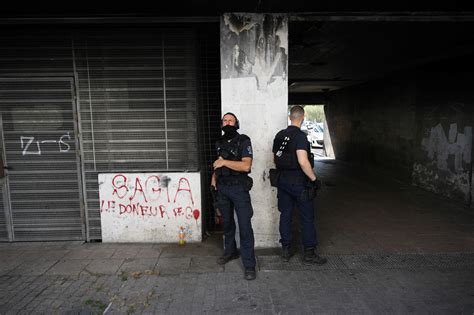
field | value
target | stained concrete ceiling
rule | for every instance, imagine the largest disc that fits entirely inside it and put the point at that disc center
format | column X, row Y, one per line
column 333, row 44
column 329, row 55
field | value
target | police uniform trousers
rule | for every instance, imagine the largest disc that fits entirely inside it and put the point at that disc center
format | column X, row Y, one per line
column 289, row 192
column 230, row 197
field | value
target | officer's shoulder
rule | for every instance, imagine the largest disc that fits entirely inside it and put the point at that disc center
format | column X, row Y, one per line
column 244, row 137
column 300, row 133
column 293, row 132
column 280, row 133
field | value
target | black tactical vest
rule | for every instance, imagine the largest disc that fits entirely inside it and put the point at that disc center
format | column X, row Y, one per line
column 284, row 148
column 230, row 150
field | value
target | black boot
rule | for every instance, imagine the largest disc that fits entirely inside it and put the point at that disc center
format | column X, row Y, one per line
column 286, row 253
column 226, row 258
column 311, row 258
column 250, row 274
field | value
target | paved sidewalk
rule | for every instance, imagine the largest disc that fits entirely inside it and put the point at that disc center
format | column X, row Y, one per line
column 74, row 278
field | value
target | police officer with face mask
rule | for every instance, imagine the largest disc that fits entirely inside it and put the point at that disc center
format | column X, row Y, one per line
column 297, row 185
column 231, row 180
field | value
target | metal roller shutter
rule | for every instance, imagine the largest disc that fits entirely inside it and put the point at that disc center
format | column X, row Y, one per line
column 137, row 95
column 138, row 105
column 41, row 194
column 39, row 130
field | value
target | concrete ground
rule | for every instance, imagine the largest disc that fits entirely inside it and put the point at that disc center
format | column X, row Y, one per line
column 392, row 248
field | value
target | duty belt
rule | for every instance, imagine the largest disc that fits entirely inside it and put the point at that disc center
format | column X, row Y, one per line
column 293, row 176
column 230, row 180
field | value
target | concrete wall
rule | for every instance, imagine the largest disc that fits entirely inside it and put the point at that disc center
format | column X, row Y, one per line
column 416, row 124
column 373, row 124
column 254, row 86
column 443, row 161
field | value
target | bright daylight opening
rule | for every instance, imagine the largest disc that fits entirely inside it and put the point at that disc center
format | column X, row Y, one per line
column 316, row 129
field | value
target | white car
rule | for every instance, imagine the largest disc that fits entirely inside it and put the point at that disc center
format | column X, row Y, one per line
column 316, row 136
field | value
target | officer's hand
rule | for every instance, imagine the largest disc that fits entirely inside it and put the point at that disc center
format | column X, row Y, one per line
column 311, row 190
column 219, row 162
column 315, row 184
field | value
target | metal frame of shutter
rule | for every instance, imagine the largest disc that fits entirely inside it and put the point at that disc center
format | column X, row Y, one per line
column 210, row 109
column 138, row 105
column 41, row 150
column 6, row 233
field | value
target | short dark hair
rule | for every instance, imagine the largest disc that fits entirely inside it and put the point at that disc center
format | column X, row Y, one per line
column 296, row 112
column 229, row 113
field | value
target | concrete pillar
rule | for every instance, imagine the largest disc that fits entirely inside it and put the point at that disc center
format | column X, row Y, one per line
column 254, row 86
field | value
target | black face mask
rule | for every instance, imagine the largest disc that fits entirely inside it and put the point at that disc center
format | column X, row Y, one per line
column 229, row 132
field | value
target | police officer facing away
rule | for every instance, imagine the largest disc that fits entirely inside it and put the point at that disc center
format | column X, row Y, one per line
column 233, row 184
column 296, row 184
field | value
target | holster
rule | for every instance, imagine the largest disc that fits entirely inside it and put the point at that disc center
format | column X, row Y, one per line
column 248, row 183
column 274, row 176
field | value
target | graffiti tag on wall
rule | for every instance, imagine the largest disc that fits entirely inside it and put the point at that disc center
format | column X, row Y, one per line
column 31, row 147
column 439, row 146
column 150, row 206
column 447, row 169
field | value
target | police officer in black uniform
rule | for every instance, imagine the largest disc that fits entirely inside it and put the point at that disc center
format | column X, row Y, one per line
column 231, row 180
column 297, row 185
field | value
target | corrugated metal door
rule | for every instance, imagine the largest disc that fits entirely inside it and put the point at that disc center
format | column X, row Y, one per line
column 40, row 149
column 138, row 105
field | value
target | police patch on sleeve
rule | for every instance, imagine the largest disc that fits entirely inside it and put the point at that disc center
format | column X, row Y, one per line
column 249, row 149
